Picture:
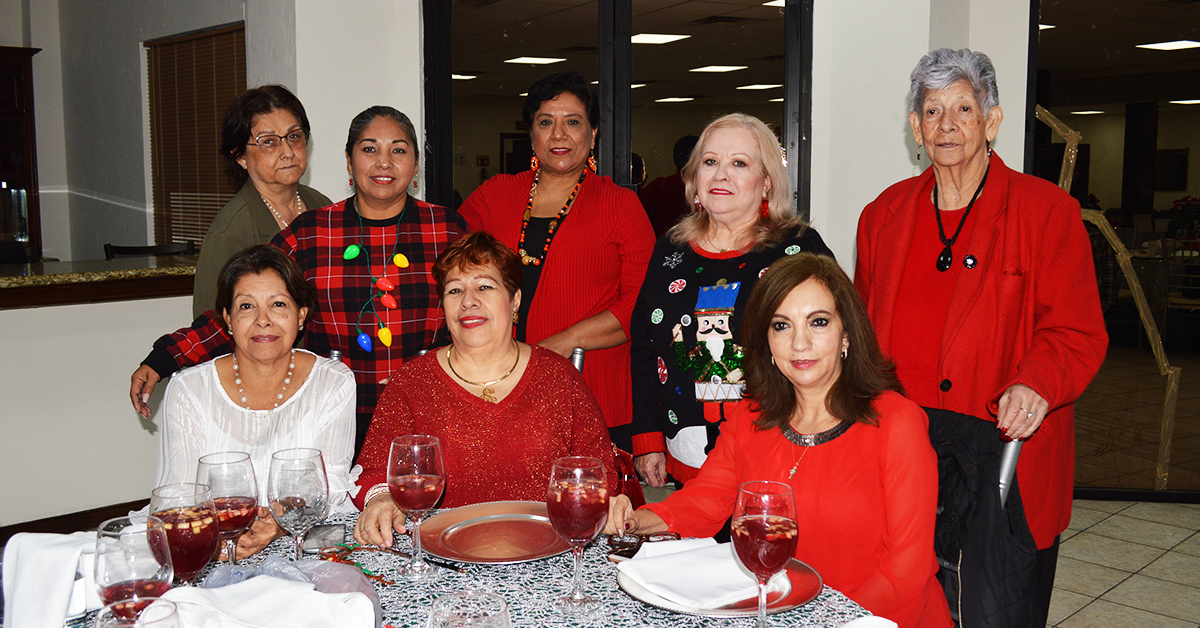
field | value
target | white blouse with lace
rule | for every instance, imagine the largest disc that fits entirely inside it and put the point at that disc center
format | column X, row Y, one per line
column 199, row 418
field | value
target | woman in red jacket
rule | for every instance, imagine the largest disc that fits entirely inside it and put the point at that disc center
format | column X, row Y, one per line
column 584, row 242
column 980, row 283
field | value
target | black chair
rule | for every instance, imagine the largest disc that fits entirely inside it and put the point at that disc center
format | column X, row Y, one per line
column 986, row 554
column 176, row 248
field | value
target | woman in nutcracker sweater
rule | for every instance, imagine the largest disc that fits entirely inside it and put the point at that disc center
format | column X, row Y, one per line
column 686, row 360
column 583, row 241
column 369, row 257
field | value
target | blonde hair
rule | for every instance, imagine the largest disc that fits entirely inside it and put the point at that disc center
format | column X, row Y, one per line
column 780, row 220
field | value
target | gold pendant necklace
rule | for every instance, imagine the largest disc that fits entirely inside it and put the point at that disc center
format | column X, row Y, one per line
column 488, row 394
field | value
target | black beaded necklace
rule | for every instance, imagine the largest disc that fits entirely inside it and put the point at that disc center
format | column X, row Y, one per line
column 947, row 257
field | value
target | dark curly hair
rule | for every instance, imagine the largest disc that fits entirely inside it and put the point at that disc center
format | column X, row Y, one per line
column 239, row 117
column 549, row 87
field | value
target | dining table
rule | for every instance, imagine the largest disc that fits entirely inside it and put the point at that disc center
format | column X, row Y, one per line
column 530, row 588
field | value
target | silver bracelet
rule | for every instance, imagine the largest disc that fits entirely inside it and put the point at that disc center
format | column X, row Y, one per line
column 375, row 491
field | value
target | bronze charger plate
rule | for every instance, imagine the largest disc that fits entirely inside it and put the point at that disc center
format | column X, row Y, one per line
column 806, row 585
column 493, row 533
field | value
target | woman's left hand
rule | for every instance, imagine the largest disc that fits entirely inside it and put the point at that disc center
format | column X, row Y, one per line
column 262, row 531
column 1021, row 412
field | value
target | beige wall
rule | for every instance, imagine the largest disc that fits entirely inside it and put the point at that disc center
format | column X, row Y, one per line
column 71, row 439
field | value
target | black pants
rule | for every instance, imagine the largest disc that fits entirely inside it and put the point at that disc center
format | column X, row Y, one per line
column 1047, row 562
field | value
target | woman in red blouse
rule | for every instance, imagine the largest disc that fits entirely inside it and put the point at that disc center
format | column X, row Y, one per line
column 822, row 412
column 504, row 410
column 584, row 242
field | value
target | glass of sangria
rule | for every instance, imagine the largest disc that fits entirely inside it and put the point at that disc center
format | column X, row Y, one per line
column 577, row 502
column 416, row 479
column 230, row 474
column 764, row 533
column 190, row 520
column 132, row 559
column 139, row 613
column 298, row 491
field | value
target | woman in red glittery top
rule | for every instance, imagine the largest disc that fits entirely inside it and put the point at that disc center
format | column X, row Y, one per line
column 503, row 410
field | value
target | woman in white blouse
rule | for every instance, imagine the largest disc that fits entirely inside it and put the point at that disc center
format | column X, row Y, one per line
column 267, row 395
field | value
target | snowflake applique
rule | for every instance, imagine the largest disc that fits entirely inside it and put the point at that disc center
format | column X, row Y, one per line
column 673, row 259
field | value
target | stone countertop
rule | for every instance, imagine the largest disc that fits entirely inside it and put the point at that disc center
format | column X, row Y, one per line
column 95, row 271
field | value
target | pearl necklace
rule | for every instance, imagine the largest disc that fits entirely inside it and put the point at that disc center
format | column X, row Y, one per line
column 282, row 222
column 237, row 380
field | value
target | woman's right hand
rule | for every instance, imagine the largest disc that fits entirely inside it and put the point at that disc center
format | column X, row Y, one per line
column 141, row 386
column 620, row 516
column 652, row 467
column 379, row 517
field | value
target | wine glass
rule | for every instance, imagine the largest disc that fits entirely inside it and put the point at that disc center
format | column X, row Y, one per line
column 132, row 559
column 416, row 479
column 577, row 502
column 764, row 533
column 298, row 491
column 235, row 493
column 469, row 609
column 190, row 519
column 147, row 612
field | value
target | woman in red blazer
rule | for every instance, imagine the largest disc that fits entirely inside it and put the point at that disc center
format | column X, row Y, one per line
column 980, row 284
column 584, row 243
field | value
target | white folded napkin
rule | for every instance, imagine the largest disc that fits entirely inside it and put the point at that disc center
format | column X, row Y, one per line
column 270, row 602
column 40, row 585
column 663, row 548
column 871, row 621
column 709, row 577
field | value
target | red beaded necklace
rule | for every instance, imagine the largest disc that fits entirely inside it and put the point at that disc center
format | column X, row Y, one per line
column 526, row 258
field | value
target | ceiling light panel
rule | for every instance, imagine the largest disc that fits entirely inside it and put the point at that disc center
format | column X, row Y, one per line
column 1182, row 44
column 534, row 60
column 654, row 38
column 719, row 68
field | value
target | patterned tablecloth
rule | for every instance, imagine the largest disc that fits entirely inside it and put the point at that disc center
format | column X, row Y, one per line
column 530, row 588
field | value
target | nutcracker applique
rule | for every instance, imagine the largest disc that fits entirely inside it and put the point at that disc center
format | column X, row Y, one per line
column 715, row 363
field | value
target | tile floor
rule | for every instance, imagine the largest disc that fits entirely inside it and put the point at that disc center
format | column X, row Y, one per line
column 1129, row 565
column 1118, row 422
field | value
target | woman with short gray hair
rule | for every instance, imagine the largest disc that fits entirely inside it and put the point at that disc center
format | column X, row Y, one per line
column 980, row 283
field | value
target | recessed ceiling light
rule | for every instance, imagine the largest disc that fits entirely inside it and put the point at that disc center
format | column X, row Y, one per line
column 1089, row 112
column 775, row 100
column 1184, row 102
column 1182, row 44
column 462, row 77
column 534, row 60
column 653, row 38
column 523, row 94
column 719, row 68
column 759, row 86
column 674, row 99
column 773, row 3
column 1045, row 27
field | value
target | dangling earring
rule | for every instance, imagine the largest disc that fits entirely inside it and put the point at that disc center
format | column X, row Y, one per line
column 516, row 317
column 772, row 360
column 989, row 148
column 415, row 187
column 919, row 147
column 696, row 206
column 533, row 163
column 351, row 181
column 764, row 210
column 845, row 351
column 592, row 161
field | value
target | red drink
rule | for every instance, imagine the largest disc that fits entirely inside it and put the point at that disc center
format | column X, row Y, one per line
column 235, row 514
column 133, row 589
column 764, row 543
column 416, row 493
column 577, row 510
column 192, row 537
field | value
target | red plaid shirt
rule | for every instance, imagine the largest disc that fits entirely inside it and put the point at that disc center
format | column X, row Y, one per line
column 316, row 240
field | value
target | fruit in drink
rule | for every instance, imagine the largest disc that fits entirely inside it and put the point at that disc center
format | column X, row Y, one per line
column 577, row 510
column 416, row 493
column 235, row 514
column 191, row 536
column 132, row 590
column 764, row 543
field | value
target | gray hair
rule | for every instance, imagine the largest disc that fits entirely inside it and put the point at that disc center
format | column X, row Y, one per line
column 944, row 67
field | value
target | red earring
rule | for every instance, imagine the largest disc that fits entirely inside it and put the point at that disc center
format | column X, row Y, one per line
column 533, row 163
column 765, row 209
column 592, row 161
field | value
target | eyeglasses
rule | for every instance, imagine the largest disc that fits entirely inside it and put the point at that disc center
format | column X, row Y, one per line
column 271, row 143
